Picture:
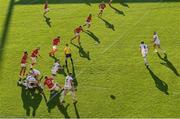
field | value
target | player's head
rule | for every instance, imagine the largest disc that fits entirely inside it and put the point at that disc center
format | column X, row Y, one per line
column 58, row 37
column 90, row 15
column 155, row 32
column 142, row 42
column 38, row 48
column 70, row 74
column 45, row 77
column 25, row 53
column 67, row 45
column 31, row 71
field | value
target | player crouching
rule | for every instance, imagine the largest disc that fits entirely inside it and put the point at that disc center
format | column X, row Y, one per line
column 56, row 67
column 69, row 86
column 144, row 52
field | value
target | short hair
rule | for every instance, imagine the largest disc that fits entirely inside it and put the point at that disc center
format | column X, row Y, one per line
column 58, row 37
column 66, row 44
column 142, row 42
column 45, row 77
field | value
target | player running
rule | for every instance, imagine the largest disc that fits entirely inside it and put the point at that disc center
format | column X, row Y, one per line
column 46, row 9
column 55, row 43
column 144, row 51
column 88, row 21
column 156, row 42
column 77, row 32
column 34, row 55
column 52, row 86
column 69, row 86
column 56, row 67
column 23, row 64
column 67, row 52
column 102, row 6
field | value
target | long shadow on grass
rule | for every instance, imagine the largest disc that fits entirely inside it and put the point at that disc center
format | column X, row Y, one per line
column 92, row 35
column 6, row 27
column 117, row 10
column 168, row 64
column 30, row 99
column 47, row 20
column 76, row 110
column 55, row 102
column 82, row 52
column 161, row 85
column 74, row 77
column 123, row 3
column 107, row 24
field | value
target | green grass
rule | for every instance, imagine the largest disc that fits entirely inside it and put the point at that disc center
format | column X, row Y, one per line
column 116, row 66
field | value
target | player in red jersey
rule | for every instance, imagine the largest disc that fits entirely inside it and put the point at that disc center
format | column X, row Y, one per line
column 102, row 6
column 77, row 32
column 34, row 55
column 55, row 43
column 49, row 81
column 23, row 64
column 88, row 20
column 46, row 9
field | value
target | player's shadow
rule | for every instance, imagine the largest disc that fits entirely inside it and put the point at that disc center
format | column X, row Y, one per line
column 74, row 77
column 30, row 99
column 47, row 20
column 53, row 57
column 168, row 64
column 117, row 11
column 161, row 85
column 107, row 24
column 62, row 71
column 82, row 52
column 76, row 110
column 92, row 35
column 55, row 102
column 3, row 36
column 123, row 3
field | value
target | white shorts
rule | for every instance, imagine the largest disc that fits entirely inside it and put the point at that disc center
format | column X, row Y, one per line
column 157, row 42
column 55, row 87
column 77, row 34
column 23, row 65
column 101, row 9
column 144, row 54
column 88, row 22
column 33, row 59
column 46, row 10
column 68, row 87
column 54, row 47
column 53, row 71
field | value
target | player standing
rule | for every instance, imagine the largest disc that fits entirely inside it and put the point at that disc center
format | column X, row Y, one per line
column 55, row 43
column 144, row 51
column 102, row 6
column 46, row 9
column 23, row 64
column 88, row 21
column 69, row 86
column 77, row 32
column 34, row 55
column 67, row 52
column 156, row 42
column 56, row 67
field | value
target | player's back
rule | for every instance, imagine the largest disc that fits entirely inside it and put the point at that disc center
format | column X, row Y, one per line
column 143, row 47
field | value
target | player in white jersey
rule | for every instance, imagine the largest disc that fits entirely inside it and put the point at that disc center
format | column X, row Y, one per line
column 29, row 83
column 156, row 42
column 144, row 52
column 56, row 67
column 35, row 73
column 69, row 86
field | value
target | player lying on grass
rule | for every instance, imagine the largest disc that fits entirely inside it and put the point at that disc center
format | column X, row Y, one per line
column 34, row 56
column 69, row 87
column 88, row 21
column 144, row 51
column 55, row 43
column 77, row 32
column 46, row 9
column 156, row 42
column 102, row 6
column 23, row 64
column 67, row 52
column 56, row 67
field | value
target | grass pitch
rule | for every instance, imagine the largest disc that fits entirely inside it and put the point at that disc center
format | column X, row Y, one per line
column 112, row 79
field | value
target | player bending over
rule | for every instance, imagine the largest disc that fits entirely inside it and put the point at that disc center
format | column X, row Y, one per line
column 52, row 86
column 67, row 52
column 102, row 6
column 35, row 73
column 144, row 51
column 56, row 67
column 156, row 42
column 23, row 64
column 77, row 32
column 46, row 9
column 69, row 86
column 55, row 43
column 34, row 55
column 88, row 21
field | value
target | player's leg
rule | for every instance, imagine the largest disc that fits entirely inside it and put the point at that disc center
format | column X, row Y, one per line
column 79, row 42
column 73, row 38
column 24, row 71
